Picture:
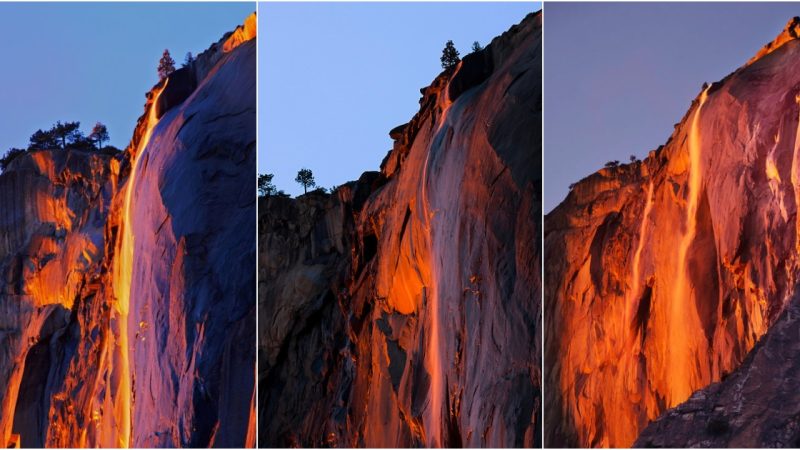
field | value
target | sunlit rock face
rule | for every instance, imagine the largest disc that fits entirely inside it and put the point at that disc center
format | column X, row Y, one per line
column 403, row 309
column 128, row 308
column 52, row 216
column 663, row 274
column 192, row 301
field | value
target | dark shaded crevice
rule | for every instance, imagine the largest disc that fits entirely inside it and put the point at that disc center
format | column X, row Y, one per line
column 452, row 438
column 397, row 362
column 601, row 236
column 642, row 317
column 45, row 369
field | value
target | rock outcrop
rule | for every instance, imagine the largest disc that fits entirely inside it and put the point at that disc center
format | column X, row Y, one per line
column 663, row 274
column 128, row 308
column 403, row 309
column 756, row 406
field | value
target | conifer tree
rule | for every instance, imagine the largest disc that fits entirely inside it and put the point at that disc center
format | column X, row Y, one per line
column 166, row 65
column 450, row 56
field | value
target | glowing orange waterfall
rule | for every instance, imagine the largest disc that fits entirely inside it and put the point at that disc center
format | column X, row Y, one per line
column 123, row 267
column 638, row 254
column 683, row 320
column 434, row 353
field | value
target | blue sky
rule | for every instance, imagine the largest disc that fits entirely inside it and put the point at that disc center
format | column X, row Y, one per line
column 335, row 78
column 617, row 76
column 95, row 61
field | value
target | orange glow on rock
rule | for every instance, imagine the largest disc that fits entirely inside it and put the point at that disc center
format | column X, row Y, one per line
column 123, row 267
column 684, row 344
column 243, row 33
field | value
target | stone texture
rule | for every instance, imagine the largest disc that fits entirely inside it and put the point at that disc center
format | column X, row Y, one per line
column 756, row 406
column 403, row 309
column 663, row 274
column 173, row 364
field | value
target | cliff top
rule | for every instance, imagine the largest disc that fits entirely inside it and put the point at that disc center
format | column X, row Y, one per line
column 790, row 32
column 613, row 176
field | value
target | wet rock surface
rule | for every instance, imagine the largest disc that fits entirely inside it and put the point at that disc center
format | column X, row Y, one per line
column 402, row 309
column 663, row 274
column 188, row 352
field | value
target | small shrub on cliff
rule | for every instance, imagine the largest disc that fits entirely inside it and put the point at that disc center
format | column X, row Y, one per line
column 82, row 143
column 166, row 65
column 476, row 47
column 611, row 164
column 9, row 156
column 265, row 186
column 306, row 178
column 450, row 56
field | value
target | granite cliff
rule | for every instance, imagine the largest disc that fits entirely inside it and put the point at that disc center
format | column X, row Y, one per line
column 403, row 308
column 127, row 280
column 663, row 275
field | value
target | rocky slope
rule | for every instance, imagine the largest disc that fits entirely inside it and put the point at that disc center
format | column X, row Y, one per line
column 756, row 406
column 403, row 309
column 663, row 274
column 125, row 295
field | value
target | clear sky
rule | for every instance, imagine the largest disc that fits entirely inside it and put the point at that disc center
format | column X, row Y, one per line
column 335, row 78
column 618, row 76
column 95, row 61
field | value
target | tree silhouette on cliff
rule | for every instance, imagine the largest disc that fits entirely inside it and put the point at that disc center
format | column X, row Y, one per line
column 265, row 186
column 67, row 133
column 166, row 65
column 9, row 156
column 450, row 56
column 42, row 139
column 306, row 178
column 99, row 134
column 188, row 60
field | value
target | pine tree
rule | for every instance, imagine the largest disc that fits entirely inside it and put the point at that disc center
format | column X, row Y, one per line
column 305, row 178
column 265, row 186
column 476, row 47
column 450, row 56
column 43, row 140
column 67, row 133
column 166, row 65
column 99, row 134
column 188, row 60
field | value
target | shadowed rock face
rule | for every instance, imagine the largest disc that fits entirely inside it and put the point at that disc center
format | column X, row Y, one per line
column 172, row 361
column 663, row 274
column 756, row 406
column 403, row 309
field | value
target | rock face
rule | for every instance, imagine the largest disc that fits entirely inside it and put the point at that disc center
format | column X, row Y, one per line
column 403, row 309
column 756, row 406
column 127, row 291
column 663, row 274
